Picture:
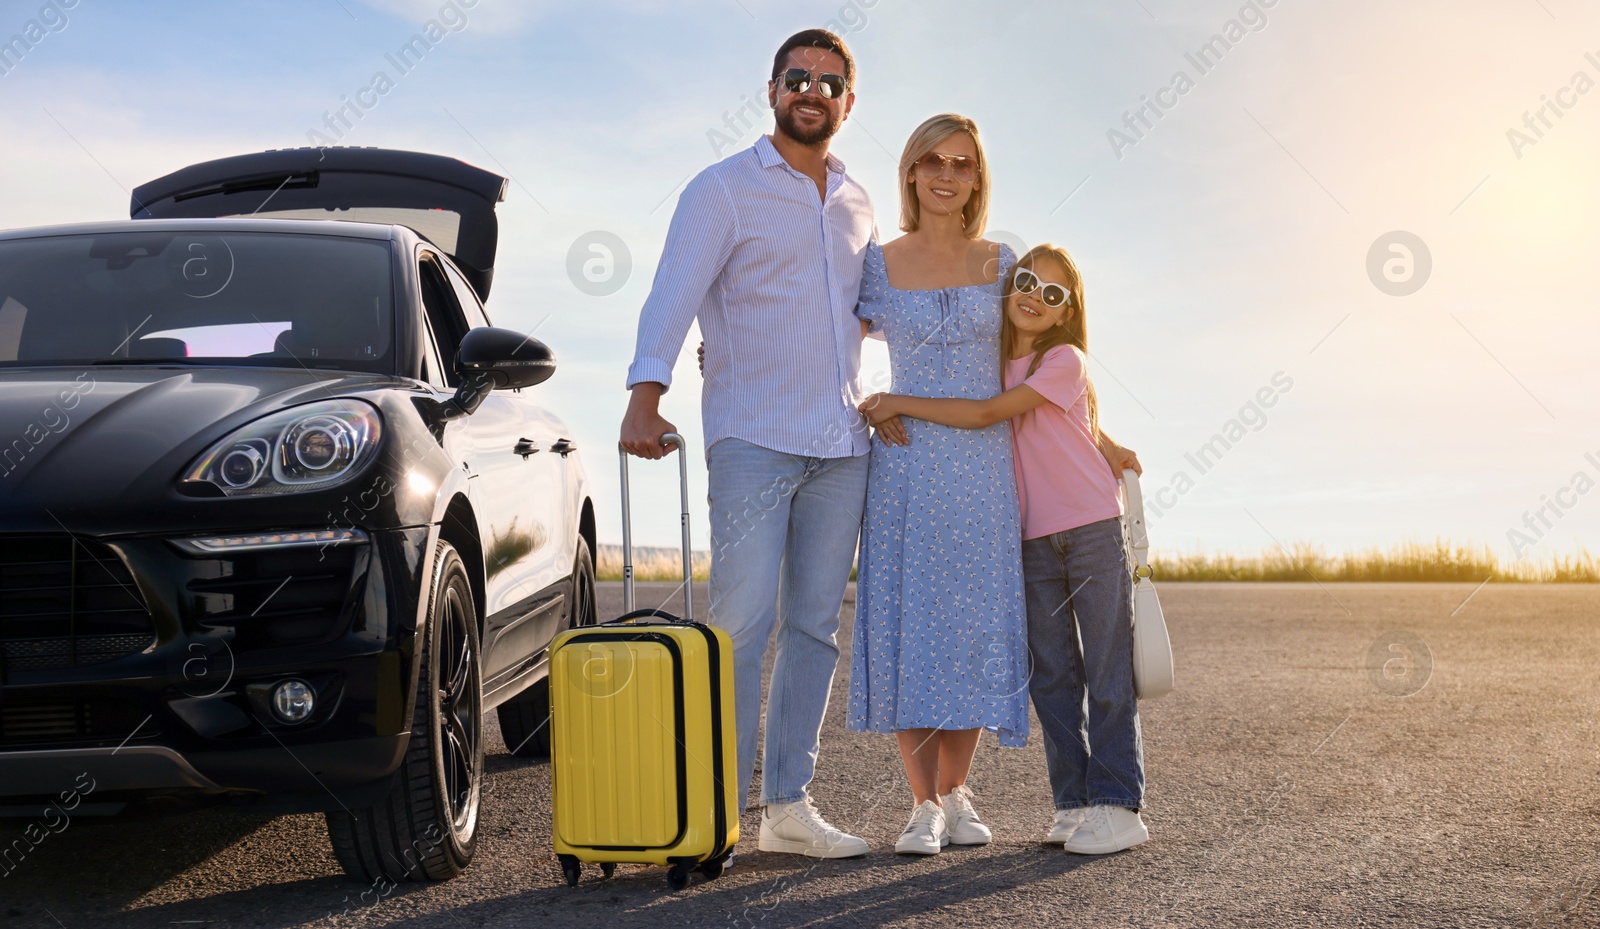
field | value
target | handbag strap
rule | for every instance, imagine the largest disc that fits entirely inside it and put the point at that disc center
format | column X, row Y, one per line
column 1138, row 537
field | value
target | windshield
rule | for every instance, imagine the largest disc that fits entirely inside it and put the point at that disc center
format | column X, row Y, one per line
column 254, row 298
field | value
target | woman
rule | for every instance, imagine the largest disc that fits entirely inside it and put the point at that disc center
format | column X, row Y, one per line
column 940, row 643
column 940, row 649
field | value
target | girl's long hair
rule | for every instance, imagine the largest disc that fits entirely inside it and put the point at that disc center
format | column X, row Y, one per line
column 1074, row 331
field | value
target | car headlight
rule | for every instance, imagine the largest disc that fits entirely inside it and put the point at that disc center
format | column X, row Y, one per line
column 308, row 447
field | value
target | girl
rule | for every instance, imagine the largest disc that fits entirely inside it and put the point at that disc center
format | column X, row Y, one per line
column 1079, row 609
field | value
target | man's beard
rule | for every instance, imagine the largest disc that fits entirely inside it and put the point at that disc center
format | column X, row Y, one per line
column 830, row 125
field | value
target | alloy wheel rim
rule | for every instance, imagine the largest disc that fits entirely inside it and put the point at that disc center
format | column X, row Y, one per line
column 459, row 732
column 585, row 613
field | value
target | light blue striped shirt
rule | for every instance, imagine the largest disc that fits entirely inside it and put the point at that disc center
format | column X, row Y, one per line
column 772, row 273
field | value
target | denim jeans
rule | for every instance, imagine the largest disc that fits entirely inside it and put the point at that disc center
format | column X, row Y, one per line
column 1080, row 635
column 783, row 537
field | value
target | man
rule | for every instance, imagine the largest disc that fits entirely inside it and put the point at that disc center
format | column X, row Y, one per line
column 766, row 249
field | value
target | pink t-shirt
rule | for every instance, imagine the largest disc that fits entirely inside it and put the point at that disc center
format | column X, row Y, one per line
column 1063, row 479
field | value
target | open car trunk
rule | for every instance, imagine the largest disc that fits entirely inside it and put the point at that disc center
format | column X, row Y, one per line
column 446, row 200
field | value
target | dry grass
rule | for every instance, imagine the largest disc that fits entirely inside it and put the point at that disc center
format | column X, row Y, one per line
column 650, row 564
column 1411, row 561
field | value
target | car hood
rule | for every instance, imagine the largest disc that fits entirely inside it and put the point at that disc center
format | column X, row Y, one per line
column 73, row 440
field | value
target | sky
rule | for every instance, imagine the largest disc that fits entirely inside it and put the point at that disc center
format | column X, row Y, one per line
column 1356, row 240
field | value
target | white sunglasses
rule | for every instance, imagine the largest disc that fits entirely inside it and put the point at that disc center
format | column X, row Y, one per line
column 1051, row 294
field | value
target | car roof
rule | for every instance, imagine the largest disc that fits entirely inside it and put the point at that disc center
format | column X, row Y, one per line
column 333, row 227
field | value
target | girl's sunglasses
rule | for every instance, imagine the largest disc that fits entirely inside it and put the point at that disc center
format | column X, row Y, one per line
column 961, row 167
column 799, row 80
column 1052, row 295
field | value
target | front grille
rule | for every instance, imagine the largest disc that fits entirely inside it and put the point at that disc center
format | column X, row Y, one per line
column 65, row 603
column 69, row 720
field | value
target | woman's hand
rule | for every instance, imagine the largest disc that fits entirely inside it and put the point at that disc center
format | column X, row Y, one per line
column 879, row 409
column 892, row 431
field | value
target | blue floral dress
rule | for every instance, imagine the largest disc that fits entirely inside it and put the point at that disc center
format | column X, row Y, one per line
column 941, row 625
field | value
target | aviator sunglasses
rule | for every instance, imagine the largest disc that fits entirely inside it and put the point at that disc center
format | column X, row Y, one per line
column 961, row 167
column 1052, row 295
column 799, row 80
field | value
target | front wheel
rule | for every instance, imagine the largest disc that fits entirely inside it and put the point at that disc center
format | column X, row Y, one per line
column 427, row 828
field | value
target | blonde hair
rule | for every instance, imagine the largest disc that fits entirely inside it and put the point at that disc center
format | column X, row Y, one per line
column 1072, row 331
column 935, row 129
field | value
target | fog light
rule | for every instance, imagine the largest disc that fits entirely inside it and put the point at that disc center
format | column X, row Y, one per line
column 293, row 701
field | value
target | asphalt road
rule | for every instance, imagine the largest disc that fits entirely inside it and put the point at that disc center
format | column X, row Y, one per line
column 1293, row 781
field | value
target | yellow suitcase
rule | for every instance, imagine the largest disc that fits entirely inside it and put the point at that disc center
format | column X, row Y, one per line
column 643, row 735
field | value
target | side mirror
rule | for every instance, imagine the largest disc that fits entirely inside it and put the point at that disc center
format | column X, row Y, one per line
column 509, row 359
column 497, row 359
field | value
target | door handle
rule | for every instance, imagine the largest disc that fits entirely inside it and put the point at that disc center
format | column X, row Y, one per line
column 525, row 447
column 564, row 447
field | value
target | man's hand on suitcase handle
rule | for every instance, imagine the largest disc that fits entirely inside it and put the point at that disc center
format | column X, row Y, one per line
column 643, row 426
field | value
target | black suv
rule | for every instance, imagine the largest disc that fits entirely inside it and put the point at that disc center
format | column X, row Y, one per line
column 279, row 516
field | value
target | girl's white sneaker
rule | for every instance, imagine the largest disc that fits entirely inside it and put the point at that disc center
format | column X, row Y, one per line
column 962, row 825
column 924, row 834
column 1065, row 825
column 1107, row 829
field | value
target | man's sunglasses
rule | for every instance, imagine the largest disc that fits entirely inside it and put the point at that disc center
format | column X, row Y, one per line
column 799, row 80
column 961, row 167
column 1051, row 294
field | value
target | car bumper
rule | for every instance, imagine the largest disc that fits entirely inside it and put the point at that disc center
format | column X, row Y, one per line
column 188, row 709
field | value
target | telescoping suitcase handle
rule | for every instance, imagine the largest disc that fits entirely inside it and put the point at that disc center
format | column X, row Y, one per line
column 673, row 440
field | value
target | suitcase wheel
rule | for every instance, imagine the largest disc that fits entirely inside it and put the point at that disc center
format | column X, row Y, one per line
column 608, row 868
column 571, row 870
column 678, row 875
column 712, row 869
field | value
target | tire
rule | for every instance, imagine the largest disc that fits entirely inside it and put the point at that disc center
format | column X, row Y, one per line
column 427, row 828
column 525, row 718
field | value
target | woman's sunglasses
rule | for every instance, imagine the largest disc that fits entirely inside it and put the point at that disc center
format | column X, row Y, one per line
column 961, row 167
column 799, row 80
column 1052, row 295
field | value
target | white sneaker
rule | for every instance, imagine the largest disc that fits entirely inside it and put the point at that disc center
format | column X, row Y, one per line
column 797, row 828
column 1066, row 823
column 1107, row 829
column 925, row 834
column 962, row 825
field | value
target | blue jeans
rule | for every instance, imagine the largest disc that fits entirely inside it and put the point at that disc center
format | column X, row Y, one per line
column 783, row 537
column 1080, row 634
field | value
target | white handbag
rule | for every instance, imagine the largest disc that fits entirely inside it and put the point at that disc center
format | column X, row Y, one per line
column 1152, row 650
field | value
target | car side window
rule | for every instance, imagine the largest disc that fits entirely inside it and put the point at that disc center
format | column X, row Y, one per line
column 468, row 298
column 444, row 315
column 435, row 371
